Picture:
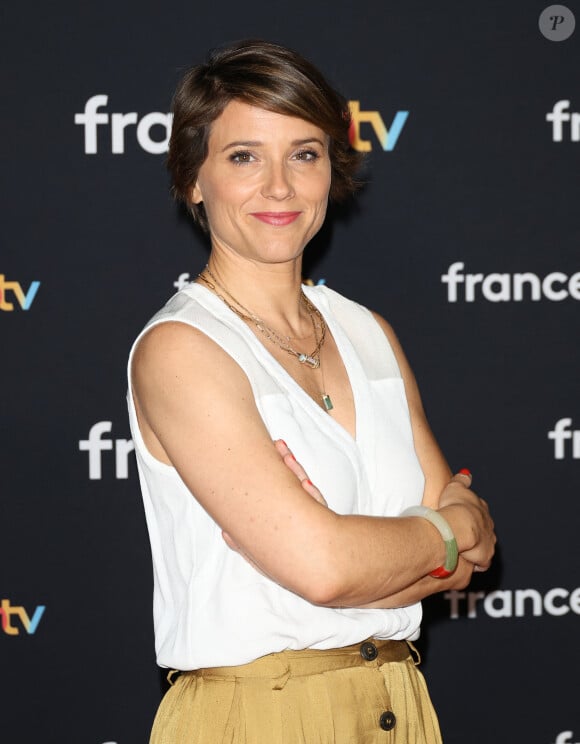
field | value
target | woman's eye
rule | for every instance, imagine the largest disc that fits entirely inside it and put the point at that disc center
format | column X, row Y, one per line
column 242, row 156
column 307, row 155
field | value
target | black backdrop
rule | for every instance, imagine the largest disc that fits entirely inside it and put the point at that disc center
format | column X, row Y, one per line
column 477, row 179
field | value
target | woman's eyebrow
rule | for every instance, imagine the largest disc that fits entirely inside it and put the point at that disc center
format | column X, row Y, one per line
column 242, row 143
column 258, row 143
column 308, row 141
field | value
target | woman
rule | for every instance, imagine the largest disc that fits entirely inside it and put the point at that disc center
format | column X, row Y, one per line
column 285, row 605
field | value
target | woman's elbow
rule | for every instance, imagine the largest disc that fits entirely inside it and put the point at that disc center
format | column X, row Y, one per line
column 324, row 582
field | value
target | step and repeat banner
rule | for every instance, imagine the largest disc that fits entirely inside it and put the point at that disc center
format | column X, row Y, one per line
column 466, row 237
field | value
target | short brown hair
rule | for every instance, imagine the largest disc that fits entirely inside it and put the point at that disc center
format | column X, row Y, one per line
column 270, row 77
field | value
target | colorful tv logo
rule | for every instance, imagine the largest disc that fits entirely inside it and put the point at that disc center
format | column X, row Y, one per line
column 8, row 612
column 387, row 137
column 25, row 300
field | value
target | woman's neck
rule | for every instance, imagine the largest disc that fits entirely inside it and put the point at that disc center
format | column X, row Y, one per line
column 270, row 291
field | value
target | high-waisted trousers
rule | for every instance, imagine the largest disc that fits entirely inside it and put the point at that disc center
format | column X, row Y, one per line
column 369, row 693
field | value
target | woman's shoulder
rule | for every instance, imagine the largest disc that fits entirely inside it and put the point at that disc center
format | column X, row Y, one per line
column 179, row 350
column 186, row 305
column 194, row 328
column 193, row 311
column 181, row 329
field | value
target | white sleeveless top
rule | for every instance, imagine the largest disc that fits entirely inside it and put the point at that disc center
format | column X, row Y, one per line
column 211, row 608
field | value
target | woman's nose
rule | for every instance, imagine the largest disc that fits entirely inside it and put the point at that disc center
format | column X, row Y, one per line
column 277, row 182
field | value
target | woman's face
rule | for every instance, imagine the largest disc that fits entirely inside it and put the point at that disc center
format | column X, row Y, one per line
column 264, row 183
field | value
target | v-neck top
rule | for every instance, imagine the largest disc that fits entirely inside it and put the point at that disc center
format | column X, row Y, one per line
column 210, row 607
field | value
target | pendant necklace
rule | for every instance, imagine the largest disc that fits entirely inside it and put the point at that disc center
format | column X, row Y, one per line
column 311, row 360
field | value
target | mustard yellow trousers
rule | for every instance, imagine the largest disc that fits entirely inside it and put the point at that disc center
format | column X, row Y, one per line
column 369, row 693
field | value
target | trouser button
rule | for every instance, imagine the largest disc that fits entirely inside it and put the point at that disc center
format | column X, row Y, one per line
column 368, row 651
column 387, row 720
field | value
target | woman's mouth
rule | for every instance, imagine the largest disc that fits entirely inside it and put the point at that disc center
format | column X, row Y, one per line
column 276, row 218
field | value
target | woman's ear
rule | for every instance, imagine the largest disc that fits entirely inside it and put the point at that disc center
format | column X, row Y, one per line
column 195, row 194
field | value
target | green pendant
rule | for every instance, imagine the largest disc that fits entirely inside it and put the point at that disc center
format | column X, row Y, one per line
column 327, row 402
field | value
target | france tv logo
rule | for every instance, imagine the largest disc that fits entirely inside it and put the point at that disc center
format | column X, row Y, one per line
column 24, row 299
column 387, row 137
column 8, row 612
column 116, row 127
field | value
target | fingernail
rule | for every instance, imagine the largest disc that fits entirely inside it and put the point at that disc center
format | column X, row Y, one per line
column 465, row 471
column 291, row 455
column 310, row 483
column 284, row 443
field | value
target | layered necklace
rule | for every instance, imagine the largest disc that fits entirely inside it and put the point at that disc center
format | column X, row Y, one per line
column 311, row 360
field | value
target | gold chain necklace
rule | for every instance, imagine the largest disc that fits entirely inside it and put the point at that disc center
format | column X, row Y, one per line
column 311, row 360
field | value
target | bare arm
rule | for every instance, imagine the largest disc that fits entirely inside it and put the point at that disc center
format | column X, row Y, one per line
column 197, row 412
column 425, row 587
column 421, row 588
column 437, row 479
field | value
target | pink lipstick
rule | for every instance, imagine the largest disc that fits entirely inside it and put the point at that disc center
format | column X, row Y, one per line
column 278, row 219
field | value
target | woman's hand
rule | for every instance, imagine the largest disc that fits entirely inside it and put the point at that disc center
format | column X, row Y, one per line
column 469, row 518
column 295, row 467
